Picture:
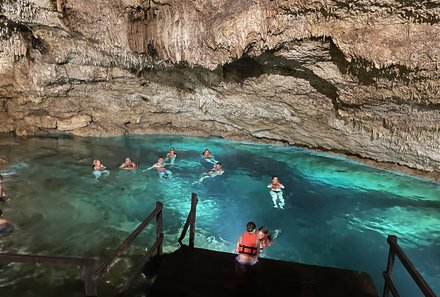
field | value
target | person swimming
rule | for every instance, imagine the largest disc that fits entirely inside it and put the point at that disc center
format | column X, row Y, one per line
column 159, row 166
column 266, row 238
column 208, row 156
column 215, row 171
column 171, row 156
column 99, row 169
column 129, row 164
column 276, row 192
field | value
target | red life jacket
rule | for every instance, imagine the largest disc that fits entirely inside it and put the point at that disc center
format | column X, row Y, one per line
column 248, row 244
column 276, row 186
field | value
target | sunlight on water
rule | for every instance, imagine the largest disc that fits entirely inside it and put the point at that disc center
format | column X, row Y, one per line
column 338, row 212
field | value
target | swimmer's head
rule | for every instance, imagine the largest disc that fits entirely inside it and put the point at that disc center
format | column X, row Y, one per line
column 263, row 230
column 250, row 226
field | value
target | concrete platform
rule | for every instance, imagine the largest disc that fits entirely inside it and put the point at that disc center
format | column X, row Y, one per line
column 194, row 272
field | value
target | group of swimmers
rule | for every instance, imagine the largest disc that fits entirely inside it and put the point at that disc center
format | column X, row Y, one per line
column 276, row 188
column 251, row 243
column 160, row 166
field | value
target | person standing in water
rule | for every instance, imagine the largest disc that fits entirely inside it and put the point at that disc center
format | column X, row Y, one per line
column 248, row 246
column 276, row 192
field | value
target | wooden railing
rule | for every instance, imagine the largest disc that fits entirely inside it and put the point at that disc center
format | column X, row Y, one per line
column 389, row 285
column 157, row 247
column 91, row 275
column 87, row 263
column 191, row 222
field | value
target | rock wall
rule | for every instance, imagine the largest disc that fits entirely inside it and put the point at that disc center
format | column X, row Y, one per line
column 354, row 77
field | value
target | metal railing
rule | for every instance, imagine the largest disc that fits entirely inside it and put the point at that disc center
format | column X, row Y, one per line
column 191, row 222
column 90, row 275
column 389, row 285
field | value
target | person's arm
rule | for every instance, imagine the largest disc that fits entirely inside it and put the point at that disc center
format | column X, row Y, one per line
column 269, row 186
column 238, row 244
column 281, row 186
column 122, row 165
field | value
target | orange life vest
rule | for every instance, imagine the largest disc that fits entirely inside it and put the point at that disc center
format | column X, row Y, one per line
column 248, row 244
column 276, row 186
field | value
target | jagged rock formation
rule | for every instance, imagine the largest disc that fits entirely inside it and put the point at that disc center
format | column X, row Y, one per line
column 355, row 77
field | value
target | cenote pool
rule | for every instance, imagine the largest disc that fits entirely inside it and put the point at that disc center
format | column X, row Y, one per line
column 338, row 212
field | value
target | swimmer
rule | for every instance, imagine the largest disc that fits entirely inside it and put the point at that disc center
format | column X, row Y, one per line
column 159, row 166
column 277, row 194
column 266, row 238
column 128, row 164
column 208, row 156
column 171, row 156
column 3, row 196
column 215, row 171
column 99, row 169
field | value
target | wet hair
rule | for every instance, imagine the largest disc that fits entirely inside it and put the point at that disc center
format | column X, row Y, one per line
column 250, row 226
column 218, row 163
column 273, row 176
column 264, row 230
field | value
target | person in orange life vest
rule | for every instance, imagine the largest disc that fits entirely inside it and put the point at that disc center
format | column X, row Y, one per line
column 99, row 169
column 171, row 156
column 266, row 239
column 208, row 156
column 216, row 170
column 159, row 166
column 97, row 165
column 248, row 246
column 277, row 194
column 128, row 164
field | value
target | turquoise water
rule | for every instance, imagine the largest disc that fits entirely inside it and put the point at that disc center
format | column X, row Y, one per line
column 338, row 212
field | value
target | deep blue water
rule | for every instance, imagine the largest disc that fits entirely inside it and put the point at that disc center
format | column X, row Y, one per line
column 338, row 212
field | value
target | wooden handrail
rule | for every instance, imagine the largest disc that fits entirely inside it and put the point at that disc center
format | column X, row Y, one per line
column 141, row 264
column 126, row 243
column 87, row 263
column 389, row 285
column 190, row 222
column 91, row 275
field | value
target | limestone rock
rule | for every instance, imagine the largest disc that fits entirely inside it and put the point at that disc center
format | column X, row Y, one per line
column 354, row 77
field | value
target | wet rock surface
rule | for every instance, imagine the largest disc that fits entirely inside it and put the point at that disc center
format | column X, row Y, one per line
column 360, row 79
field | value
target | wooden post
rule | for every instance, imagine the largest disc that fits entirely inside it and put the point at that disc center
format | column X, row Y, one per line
column 60, row 5
column 159, row 227
column 391, row 256
column 192, row 226
column 90, row 283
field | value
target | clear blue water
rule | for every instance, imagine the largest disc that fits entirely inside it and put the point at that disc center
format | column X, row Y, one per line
column 338, row 212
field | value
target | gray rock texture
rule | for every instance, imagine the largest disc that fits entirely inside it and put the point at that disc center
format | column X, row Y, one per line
column 359, row 78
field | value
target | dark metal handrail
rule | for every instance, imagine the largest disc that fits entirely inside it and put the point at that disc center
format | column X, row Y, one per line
column 157, row 212
column 191, row 222
column 87, row 263
column 389, row 285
